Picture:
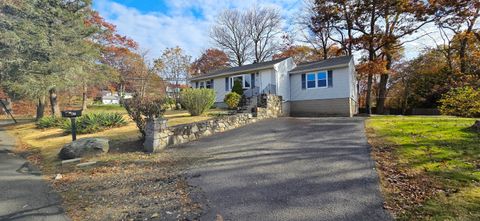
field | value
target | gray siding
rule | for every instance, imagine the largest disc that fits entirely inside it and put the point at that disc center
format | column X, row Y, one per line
column 340, row 89
column 265, row 77
column 219, row 87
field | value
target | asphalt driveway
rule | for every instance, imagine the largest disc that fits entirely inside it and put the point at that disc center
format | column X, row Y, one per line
column 24, row 195
column 289, row 169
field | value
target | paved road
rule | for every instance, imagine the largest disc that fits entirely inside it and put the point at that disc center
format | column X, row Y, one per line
column 289, row 169
column 23, row 193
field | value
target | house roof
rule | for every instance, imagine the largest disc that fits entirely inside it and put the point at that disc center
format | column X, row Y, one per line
column 240, row 69
column 323, row 64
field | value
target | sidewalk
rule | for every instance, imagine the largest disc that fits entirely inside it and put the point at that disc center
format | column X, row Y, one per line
column 23, row 193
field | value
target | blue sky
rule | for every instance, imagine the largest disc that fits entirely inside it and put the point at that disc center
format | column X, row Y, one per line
column 158, row 24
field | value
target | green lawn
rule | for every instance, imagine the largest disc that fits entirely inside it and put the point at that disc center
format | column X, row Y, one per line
column 106, row 108
column 443, row 150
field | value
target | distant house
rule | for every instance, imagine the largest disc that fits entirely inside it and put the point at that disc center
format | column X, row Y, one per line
column 173, row 89
column 113, row 98
column 327, row 87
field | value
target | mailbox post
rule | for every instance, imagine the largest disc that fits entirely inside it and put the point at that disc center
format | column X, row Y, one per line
column 73, row 114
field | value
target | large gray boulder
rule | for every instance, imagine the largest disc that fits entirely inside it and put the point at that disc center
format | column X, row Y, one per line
column 84, row 147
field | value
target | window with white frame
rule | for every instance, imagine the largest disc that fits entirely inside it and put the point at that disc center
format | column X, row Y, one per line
column 235, row 79
column 208, row 84
column 317, row 80
column 244, row 79
column 205, row 84
column 322, row 79
column 311, row 81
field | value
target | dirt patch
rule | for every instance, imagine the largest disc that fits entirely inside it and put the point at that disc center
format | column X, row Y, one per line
column 143, row 188
column 404, row 190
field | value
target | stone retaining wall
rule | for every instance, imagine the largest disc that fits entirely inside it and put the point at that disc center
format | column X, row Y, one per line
column 159, row 136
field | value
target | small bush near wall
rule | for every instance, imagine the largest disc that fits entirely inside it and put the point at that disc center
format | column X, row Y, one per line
column 142, row 108
column 464, row 102
column 197, row 101
column 95, row 122
column 232, row 100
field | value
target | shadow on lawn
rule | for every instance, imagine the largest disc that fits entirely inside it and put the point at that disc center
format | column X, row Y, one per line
column 129, row 146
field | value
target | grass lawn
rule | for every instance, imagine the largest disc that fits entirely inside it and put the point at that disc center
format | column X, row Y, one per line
column 175, row 117
column 429, row 166
column 47, row 142
column 106, row 108
column 135, row 185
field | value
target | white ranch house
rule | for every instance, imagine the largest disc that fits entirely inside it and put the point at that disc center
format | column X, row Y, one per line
column 321, row 88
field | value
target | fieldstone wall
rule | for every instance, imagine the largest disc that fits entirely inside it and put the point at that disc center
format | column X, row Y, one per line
column 269, row 106
column 159, row 136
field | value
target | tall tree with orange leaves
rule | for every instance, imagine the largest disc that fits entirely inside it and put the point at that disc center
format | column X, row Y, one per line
column 211, row 59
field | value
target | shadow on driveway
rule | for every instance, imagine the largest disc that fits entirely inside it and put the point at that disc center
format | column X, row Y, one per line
column 289, row 169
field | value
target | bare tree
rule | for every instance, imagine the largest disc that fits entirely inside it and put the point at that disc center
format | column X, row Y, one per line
column 264, row 27
column 316, row 28
column 232, row 35
column 173, row 66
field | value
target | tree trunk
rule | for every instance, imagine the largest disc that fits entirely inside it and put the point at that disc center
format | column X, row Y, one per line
column 371, row 58
column 461, row 53
column 368, row 100
column 84, row 97
column 54, row 103
column 405, row 96
column 382, row 88
column 120, row 94
column 40, row 107
column 382, row 93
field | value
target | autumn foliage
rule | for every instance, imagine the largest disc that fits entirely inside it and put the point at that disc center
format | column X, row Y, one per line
column 211, row 59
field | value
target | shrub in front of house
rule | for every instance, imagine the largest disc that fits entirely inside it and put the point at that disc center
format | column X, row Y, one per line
column 170, row 103
column 237, row 87
column 463, row 102
column 197, row 100
column 232, row 100
column 50, row 122
column 95, row 122
column 142, row 108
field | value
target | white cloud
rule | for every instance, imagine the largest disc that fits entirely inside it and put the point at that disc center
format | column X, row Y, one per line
column 179, row 26
column 155, row 31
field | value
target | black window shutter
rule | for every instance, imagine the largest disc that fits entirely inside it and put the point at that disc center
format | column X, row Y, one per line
column 196, row 84
column 226, row 84
column 211, row 85
column 330, row 78
column 252, row 79
column 304, row 81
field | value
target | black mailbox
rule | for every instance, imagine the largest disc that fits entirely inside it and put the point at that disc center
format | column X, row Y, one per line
column 72, row 113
